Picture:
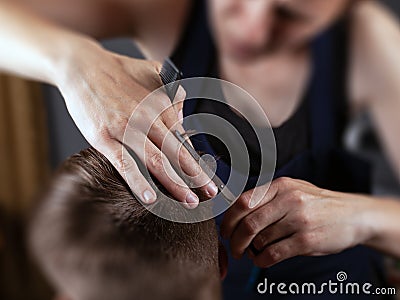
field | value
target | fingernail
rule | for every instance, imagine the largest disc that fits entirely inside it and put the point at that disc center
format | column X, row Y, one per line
column 212, row 189
column 191, row 198
column 148, row 197
column 180, row 116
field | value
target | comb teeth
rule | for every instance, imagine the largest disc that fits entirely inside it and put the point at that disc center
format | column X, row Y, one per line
column 169, row 75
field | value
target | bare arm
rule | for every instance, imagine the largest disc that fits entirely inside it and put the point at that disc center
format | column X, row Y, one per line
column 291, row 217
column 38, row 36
column 34, row 32
column 96, row 18
column 102, row 90
column 376, row 86
column 33, row 47
column 376, row 62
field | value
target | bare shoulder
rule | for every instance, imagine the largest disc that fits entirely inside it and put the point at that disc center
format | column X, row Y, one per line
column 111, row 18
column 374, row 49
column 159, row 25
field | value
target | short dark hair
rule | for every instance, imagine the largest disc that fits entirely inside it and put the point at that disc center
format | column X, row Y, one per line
column 95, row 241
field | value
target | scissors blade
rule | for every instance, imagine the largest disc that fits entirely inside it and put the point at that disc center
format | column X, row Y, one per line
column 229, row 197
column 170, row 75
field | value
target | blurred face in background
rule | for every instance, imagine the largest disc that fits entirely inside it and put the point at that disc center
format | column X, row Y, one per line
column 246, row 29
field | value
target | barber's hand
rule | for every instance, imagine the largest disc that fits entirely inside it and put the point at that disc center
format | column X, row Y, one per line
column 293, row 217
column 101, row 90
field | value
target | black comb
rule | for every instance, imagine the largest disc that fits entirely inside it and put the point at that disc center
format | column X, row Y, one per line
column 169, row 76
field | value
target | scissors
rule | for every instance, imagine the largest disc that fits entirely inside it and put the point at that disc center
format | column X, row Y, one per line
column 170, row 76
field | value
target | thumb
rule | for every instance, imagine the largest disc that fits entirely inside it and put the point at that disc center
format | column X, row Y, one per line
column 178, row 103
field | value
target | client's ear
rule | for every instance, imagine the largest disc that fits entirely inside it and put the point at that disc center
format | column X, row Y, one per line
column 223, row 260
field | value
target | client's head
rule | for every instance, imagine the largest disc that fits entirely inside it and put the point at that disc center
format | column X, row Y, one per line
column 94, row 240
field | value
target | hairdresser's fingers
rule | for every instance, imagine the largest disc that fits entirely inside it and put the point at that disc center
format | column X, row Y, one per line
column 251, row 225
column 129, row 170
column 178, row 103
column 273, row 233
column 175, row 112
column 292, row 246
column 158, row 165
column 180, row 157
column 241, row 208
column 163, row 136
column 170, row 114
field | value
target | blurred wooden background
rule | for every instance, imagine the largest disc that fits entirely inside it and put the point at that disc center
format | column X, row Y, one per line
column 24, row 169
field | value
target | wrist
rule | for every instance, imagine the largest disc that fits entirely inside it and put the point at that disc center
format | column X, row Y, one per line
column 386, row 226
column 359, row 211
column 72, row 53
column 366, row 214
column 380, row 218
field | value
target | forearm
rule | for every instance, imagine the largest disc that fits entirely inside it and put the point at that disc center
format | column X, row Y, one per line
column 382, row 218
column 376, row 46
column 33, row 47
